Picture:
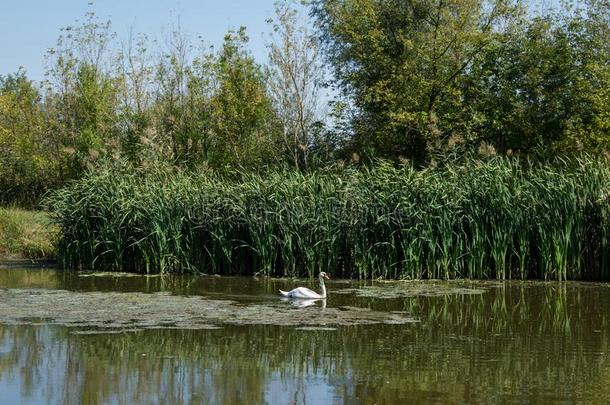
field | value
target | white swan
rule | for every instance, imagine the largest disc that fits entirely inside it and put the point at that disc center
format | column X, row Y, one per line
column 306, row 293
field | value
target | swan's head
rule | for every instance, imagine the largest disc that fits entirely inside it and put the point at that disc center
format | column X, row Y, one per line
column 324, row 275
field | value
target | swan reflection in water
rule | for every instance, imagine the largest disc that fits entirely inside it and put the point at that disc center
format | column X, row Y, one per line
column 303, row 303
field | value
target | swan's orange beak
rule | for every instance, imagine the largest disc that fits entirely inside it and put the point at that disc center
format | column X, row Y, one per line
column 326, row 276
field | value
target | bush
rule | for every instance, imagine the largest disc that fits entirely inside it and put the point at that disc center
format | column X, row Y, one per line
column 26, row 234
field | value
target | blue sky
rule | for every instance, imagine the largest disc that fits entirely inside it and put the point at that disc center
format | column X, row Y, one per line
column 29, row 27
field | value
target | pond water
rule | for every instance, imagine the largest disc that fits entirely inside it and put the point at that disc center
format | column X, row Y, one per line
column 98, row 338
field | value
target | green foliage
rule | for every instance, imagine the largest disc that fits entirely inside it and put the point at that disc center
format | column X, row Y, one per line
column 479, row 219
column 209, row 110
column 81, row 95
column 27, row 163
column 400, row 64
column 246, row 132
column 26, row 234
column 212, row 109
column 424, row 75
column 419, row 81
column 545, row 82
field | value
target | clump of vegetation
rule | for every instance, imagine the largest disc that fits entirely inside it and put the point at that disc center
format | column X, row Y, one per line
column 186, row 104
column 423, row 76
column 411, row 80
column 499, row 218
column 26, row 234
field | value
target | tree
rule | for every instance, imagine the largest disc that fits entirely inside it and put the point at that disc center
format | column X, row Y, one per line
column 399, row 64
column 544, row 86
column 295, row 75
column 28, row 166
column 172, row 77
column 244, row 126
column 135, row 73
column 82, row 96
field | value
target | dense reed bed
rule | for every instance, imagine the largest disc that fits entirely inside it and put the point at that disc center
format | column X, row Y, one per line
column 494, row 219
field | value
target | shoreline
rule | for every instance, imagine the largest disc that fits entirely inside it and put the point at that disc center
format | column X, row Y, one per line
column 24, row 263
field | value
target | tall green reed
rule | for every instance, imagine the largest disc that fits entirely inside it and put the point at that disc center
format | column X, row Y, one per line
column 499, row 218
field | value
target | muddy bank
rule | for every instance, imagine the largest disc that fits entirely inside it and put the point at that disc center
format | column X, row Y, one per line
column 135, row 311
column 6, row 263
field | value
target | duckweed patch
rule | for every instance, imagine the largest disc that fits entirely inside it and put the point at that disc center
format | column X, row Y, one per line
column 116, row 311
column 396, row 290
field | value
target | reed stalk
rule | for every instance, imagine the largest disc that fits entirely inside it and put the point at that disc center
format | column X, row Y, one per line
column 499, row 219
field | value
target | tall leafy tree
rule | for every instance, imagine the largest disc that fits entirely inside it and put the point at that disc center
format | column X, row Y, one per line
column 544, row 86
column 172, row 77
column 244, row 126
column 399, row 64
column 82, row 96
column 28, row 164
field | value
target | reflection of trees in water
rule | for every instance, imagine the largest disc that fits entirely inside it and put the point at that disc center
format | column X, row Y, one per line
column 128, row 282
column 28, row 354
column 516, row 338
column 29, row 278
column 522, row 342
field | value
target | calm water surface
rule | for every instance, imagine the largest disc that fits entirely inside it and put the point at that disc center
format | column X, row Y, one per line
column 514, row 343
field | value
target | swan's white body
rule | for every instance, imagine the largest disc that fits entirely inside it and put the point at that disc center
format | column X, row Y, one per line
column 306, row 293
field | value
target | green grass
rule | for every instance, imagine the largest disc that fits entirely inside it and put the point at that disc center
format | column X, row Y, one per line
column 480, row 219
column 26, row 234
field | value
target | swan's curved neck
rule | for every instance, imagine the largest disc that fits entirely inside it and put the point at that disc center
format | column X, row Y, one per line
column 322, row 287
